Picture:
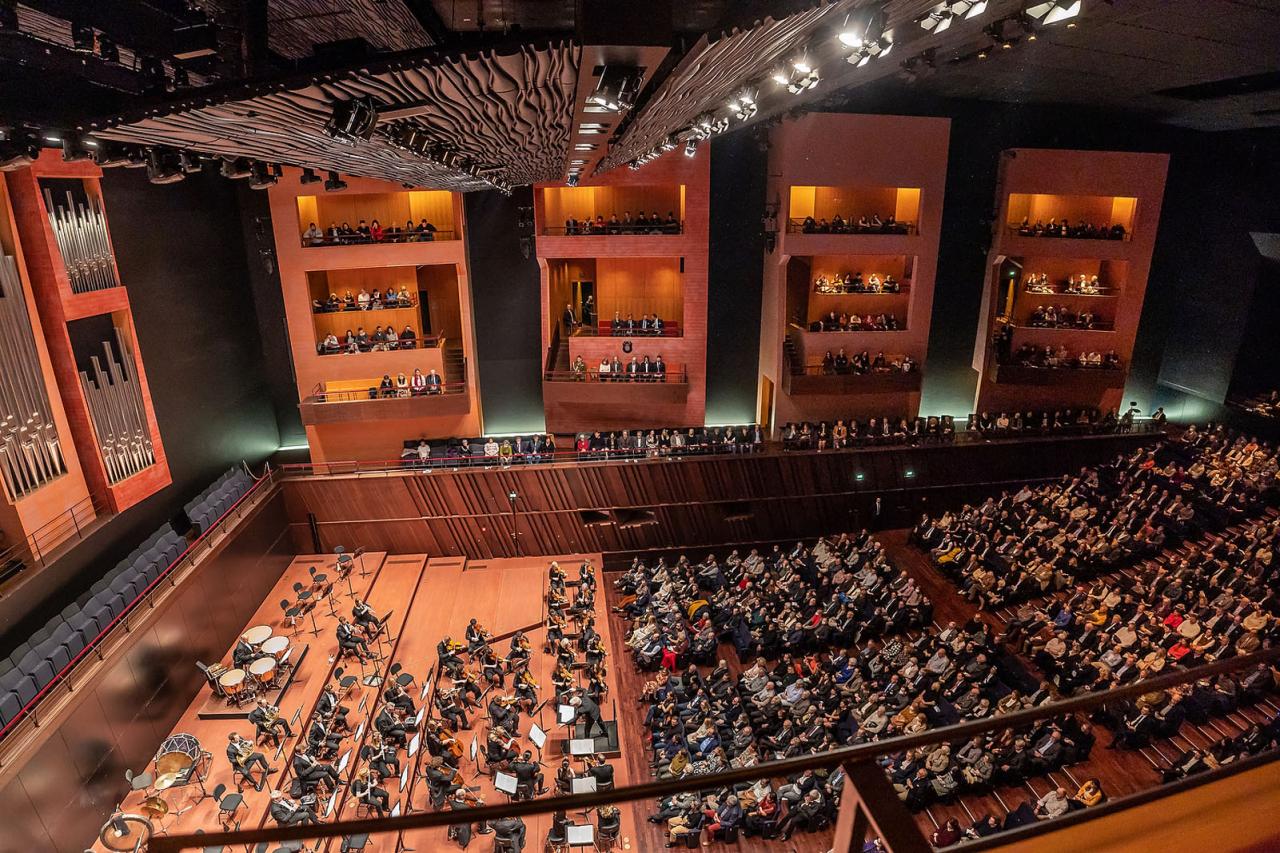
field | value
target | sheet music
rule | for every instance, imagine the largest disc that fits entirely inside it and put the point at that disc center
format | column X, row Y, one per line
column 580, row 834
column 426, row 688
column 296, row 718
column 359, row 731
column 582, row 746
column 333, row 801
column 504, row 782
column 537, row 735
column 565, row 714
column 395, row 810
column 404, row 780
column 414, row 744
column 344, row 761
column 360, row 707
column 583, row 785
column 475, row 748
column 417, row 720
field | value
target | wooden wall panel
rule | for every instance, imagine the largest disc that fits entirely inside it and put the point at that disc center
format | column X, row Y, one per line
column 694, row 502
column 639, row 286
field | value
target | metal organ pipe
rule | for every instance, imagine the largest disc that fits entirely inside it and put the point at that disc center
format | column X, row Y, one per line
column 116, row 409
column 83, row 242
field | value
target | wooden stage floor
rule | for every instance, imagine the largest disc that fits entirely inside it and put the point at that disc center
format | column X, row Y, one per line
column 428, row 598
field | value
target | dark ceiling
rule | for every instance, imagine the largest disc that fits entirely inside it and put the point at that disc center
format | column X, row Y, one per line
column 1203, row 64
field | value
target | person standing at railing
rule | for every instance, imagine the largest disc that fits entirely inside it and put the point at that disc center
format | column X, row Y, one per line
column 569, row 319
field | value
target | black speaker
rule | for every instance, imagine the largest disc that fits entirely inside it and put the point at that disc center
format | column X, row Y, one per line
column 180, row 523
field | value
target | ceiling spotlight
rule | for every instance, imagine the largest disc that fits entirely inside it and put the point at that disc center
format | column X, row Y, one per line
column 744, row 105
column 189, row 162
column 982, row 54
column 18, row 151
column 690, row 147
column 1054, row 11
column 309, row 176
column 335, row 184
column 181, row 79
column 263, row 177
column 235, row 169
column 669, row 144
column 862, row 26
column 352, row 121
column 107, row 49
column 135, row 158
column 937, row 21
column 154, row 79
column 617, row 88
column 163, row 167
column 110, row 155
column 634, row 166
column 74, row 149
column 81, row 37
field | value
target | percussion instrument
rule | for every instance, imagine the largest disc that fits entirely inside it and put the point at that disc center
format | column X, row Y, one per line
column 124, row 833
column 177, row 754
column 263, row 670
column 233, row 683
column 257, row 635
column 155, row 808
column 165, row 781
column 275, row 647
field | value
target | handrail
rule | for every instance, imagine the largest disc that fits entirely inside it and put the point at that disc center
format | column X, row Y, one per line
column 58, row 524
column 131, row 606
column 670, row 377
column 388, row 236
column 851, row 228
column 782, row 767
column 823, row 370
column 373, row 393
column 614, row 229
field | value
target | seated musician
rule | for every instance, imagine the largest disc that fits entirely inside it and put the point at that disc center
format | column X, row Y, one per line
column 596, row 652
column 600, row 770
column 350, row 640
column 287, row 812
column 243, row 654
column 586, row 576
column 310, row 771
column 381, row 756
column 528, row 774
column 366, row 618
column 366, row 790
column 509, row 831
column 610, row 821
column 597, row 687
column 467, row 687
column 242, row 755
column 443, row 781
column 399, row 697
column 392, row 725
column 476, row 637
column 526, row 689
column 589, row 633
column 564, row 777
column 267, row 721
column 447, row 651
column 502, row 712
column 327, row 706
column 555, row 576
column 564, row 654
column 562, row 680
column 450, row 711
column 499, row 748
column 520, row 651
column 490, row 666
column 555, row 631
column 322, row 739
column 461, row 832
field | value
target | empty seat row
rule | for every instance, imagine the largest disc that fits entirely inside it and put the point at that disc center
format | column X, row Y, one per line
column 50, row 650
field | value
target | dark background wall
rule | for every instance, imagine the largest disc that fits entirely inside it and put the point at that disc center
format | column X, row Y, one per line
column 183, row 262
column 506, row 292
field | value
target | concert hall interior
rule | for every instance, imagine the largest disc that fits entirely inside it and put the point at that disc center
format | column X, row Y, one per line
column 581, row 425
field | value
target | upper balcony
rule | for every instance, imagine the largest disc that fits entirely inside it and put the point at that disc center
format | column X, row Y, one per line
column 341, row 219
column 829, row 219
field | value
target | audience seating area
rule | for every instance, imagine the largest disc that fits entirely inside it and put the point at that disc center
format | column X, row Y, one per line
column 1080, row 231
column 1058, row 422
column 876, row 431
column 584, row 447
column 864, row 224
column 46, row 653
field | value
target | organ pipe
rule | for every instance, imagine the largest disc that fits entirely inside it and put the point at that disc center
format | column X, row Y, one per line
column 116, row 409
column 81, row 234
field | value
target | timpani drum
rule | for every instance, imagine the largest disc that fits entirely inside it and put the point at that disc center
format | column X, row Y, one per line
column 263, row 670
column 233, row 683
column 257, row 635
column 275, row 647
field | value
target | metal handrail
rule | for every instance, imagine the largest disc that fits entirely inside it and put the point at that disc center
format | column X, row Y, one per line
column 374, row 394
column 590, row 374
column 70, row 517
column 616, row 229
column 130, row 607
column 848, row 755
column 898, row 229
column 387, row 237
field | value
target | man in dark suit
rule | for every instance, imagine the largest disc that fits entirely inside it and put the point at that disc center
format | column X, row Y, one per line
column 286, row 812
column 242, row 755
column 511, row 831
column 589, row 711
column 311, row 772
column 265, row 724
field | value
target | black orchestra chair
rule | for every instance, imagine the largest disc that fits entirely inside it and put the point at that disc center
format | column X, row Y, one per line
column 292, row 613
column 504, row 844
column 213, row 848
column 354, row 842
column 404, row 679
column 606, row 839
column 345, row 682
column 228, row 806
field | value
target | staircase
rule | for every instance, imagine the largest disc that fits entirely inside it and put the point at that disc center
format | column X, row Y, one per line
column 790, row 358
column 455, row 366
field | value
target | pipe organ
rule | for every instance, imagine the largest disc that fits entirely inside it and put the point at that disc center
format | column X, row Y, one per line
column 30, row 453
column 117, row 411
column 81, row 234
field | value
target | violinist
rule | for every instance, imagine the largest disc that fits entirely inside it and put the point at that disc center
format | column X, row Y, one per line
column 502, row 714
column 450, row 711
column 461, row 832
column 520, row 651
column 562, row 680
column 586, row 576
column 555, row 632
column 443, row 781
column 526, row 690
column 477, row 637
column 565, row 655
column 555, row 576
column 381, row 756
column 589, row 633
column 447, row 651
column 597, row 687
column 467, row 685
column 351, row 640
column 595, row 651
column 564, row 777
column 498, row 750
column 491, row 667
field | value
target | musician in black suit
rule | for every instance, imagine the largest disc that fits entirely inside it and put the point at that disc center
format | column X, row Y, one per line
column 366, row 790
column 588, row 711
column 601, row 771
column 269, row 723
column 322, row 738
column 441, row 782
column 242, row 755
column 310, row 771
column 243, row 654
column 327, row 706
column 350, row 640
column 393, row 727
column 366, row 618
column 527, row 772
column 398, row 696
column 510, row 830
column 286, row 812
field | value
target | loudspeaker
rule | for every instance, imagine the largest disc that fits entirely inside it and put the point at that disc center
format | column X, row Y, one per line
column 180, row 523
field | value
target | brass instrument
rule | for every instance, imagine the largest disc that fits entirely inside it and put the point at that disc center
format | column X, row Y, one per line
column 272, row 713
column 243, row 750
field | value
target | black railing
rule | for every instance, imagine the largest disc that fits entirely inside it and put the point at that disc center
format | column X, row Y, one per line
column 823, row 226
column 613, row 229
column 388, row 236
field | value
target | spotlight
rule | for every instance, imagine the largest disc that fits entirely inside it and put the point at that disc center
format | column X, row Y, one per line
column 690, row 147
column 969, row 9
column 335, row 184
column 937, row 21
column 1054, row 11
column 154, row 79
column 236, row 169
column 73, row 149
column 135, row 158
column 743, row 106
column 18, row 150
column 107, row 49
column 263, row 177
column 181, row 79
column 309, row 176
column 352, row 121
column 81, row 37
column 617, row 88
column 190, row 163
column 163, row 167
column 9, row 16
column 982, row 54
column 862, row 26
column 670, row 143
column 111, row 155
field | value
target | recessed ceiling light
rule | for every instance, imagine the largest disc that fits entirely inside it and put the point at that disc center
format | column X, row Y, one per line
column 585, row 146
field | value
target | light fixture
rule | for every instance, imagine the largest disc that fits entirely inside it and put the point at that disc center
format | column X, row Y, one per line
column 862, row 26
column 982, row 53
column 154, row 79
column 670, row 143
column 107, row 49
column 74, row 149
column 110, row 155
column 18, row 150
column 53, row 138
column 744, row 105
column 189, row 162
column 797, row 76
column 263, row 177
column 135, row 158
column 617, row 88
column 969, row 9
column 235, row 169
column 81, row 37
column 335, row 184
column 691, row 147
column 309, row 176
column 352, row 121
column 1054, row 11
column 585, row 146
column 937, row 21
column 181, row 79
column 163, row 167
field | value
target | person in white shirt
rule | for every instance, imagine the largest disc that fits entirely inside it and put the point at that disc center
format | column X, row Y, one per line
column 491, row 448
column 313, row 234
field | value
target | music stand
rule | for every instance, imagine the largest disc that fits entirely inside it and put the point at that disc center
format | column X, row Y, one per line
column 505, row 782
column 580, row 834
column 359, row 555
column 582, row 785
column 582, row 747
